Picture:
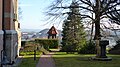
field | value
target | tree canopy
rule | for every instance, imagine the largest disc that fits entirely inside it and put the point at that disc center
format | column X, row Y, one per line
column 99, row 8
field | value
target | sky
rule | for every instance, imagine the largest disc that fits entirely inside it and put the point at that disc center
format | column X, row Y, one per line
column 33, row 16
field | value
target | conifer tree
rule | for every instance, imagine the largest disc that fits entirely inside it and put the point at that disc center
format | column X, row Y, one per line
column 73, row 30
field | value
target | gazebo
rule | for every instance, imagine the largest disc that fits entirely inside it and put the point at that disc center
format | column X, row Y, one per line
column 52, row 33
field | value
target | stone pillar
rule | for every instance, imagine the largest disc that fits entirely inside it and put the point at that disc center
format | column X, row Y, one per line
column 1, row 32
column 11, row 38
column 17, row 26
column 1, row 43
column 19, row 42
column 11, row 45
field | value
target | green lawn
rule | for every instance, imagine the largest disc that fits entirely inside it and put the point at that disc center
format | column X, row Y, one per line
column 28, row 60
column 75, row 60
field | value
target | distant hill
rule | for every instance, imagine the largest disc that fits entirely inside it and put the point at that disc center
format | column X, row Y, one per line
column 43, row 33
column 30, row 30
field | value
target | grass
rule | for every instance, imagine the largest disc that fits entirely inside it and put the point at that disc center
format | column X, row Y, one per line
column 28, row 60
column 75, row 60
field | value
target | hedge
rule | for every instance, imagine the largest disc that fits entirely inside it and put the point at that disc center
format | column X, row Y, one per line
column 29, row 46
column 48, row 43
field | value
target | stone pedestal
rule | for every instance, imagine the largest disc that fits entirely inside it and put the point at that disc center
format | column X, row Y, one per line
column 103, row 57
column 103, row 44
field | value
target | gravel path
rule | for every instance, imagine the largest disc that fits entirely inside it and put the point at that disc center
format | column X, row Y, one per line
column 46, row 61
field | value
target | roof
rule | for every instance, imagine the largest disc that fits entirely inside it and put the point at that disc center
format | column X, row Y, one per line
column 52, row 30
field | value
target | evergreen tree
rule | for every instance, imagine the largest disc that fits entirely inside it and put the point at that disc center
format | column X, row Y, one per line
column 73, row 30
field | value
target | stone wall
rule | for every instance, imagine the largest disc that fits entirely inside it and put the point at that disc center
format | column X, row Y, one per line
column 1, row 43
column 11, row 45
column 0, row 14
column 1, row 32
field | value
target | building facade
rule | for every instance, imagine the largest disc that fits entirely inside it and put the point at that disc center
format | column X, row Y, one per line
column 9, row 31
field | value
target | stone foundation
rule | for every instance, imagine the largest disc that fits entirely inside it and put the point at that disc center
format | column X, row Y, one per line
column 1, row 43
column 11, row 45
column 101, row 59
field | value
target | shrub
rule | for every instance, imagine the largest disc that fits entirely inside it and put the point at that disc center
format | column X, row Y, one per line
column 23, row 43
column 69, row 48
column 116, row 48
column 89, row 48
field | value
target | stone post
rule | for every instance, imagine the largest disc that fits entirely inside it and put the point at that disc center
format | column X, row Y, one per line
column 103, row 44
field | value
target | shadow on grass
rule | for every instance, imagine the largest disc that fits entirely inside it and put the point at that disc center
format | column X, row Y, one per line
column 77, row 60
column 82, row 57
column 29, row 61
column 56, row 54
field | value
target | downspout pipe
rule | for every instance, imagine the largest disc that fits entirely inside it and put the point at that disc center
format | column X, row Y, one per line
column 3, row 26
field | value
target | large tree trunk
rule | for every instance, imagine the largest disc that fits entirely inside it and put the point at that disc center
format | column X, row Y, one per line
column 97, row 36
column 97, row 27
